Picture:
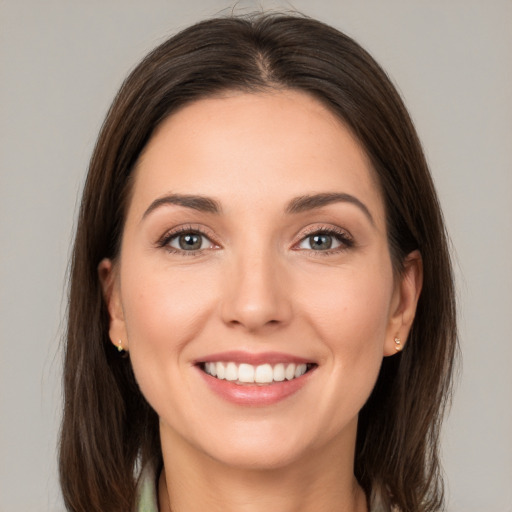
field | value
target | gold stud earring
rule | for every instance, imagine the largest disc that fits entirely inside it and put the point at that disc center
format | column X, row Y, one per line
column 398, row 344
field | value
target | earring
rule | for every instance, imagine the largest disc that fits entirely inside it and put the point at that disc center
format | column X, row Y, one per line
column 398, row 344
column 120, row 346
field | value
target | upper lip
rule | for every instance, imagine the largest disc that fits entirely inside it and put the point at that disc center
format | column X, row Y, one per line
column 237, row 356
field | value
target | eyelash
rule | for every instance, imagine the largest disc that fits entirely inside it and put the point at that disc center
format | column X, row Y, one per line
column 341, row 236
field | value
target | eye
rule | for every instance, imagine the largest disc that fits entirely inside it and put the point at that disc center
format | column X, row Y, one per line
column 186, row 240
column 319, row 242
column 326, row 240
column 190, row 241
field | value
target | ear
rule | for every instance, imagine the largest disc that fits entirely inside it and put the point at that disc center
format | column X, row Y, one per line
column 109, row 279
column 405, row 299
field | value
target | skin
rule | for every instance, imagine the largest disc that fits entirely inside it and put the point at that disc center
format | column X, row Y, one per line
column 258, row 284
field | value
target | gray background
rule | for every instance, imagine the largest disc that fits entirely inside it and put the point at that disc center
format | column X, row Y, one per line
column 61, row 61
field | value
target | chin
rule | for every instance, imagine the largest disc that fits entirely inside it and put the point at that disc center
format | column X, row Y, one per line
column 259, row 458
column 270, row 446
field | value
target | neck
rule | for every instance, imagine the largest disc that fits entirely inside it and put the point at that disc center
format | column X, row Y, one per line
column 323, row 481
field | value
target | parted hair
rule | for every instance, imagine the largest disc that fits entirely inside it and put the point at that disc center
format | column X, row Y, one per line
column 108, row 429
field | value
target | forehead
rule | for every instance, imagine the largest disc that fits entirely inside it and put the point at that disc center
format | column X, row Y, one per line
column 264, row 147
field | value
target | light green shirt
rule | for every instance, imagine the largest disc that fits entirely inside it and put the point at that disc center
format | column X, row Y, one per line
column 146, row 492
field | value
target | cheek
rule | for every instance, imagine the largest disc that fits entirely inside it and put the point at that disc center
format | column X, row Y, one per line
column 351, row 320
column 162, row 305
column 163, row 314
column 351, row 311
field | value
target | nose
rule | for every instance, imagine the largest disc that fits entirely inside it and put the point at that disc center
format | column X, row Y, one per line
column 257, row 293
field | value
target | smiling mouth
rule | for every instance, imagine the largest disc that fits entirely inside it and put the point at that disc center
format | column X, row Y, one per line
column 263, row 374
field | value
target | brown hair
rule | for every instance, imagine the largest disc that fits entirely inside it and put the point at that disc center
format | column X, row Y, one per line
column 108, row 429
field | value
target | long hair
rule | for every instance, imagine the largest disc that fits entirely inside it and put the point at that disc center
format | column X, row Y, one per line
column 108, row 428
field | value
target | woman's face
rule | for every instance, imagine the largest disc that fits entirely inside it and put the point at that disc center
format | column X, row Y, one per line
column 255, row 249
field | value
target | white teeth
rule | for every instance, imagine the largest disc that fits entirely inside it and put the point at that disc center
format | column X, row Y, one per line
column 211, row 368
column 231, row 371
column 279, row 372
column 300, row 370
column 261, row 374
column 290, row 372
column 246, row 373
column 221, row 370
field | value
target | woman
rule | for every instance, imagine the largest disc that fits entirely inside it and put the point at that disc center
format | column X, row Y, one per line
column 261, row 308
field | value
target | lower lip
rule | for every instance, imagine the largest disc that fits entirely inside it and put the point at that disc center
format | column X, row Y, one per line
column 252, row 394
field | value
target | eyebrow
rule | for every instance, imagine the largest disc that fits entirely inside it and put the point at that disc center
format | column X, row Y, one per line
column 297, row 205
column 312, row 202
column 200, row 203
